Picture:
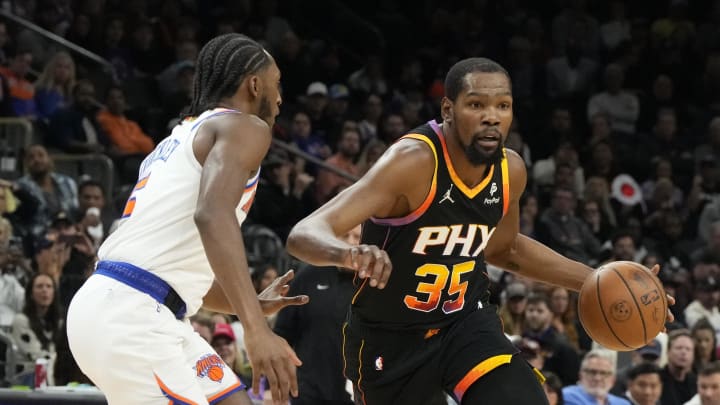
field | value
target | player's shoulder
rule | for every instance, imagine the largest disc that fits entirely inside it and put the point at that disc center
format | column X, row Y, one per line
column 241, row 123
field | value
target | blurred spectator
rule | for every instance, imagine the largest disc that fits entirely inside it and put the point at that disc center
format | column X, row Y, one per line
column 314, row 330
column 53, row 88
column 371, row 112
column 598, row 189
column 370, row 154
column 55, row 192
column 36, row 329
column 663, row 170
column 512, row 310
column 278, row 202
column 185, row 55
column 644, row 385
column 710, row 149
column 705, row 304
column 75, row 129
column 543, row 172
column 705, row 337
column 709, row 215
column 328, row 183
column 565, row 233
column 146, row 58
column 603, row 162
column 223, row 341
column 392, row 127
column 678, row 380
column 22, row 92
column 370, row 78
column 515, row 141
column 710, row 250
column 559, row 133
column 708, row 383
column 12, row 293
column 620, row 105
column 336, row 113
column 553, row 388
column 668, row 142
column 301, row 132
column 617, row 29
column 564, row 315
column 570, row 75
column 94, row 216
column 202, row 324
column 528, row 215
column 597, row 376
column 20, row 207
column 560, row 357
column 663, row 96
column 316, row 101
column 573, row 21
column 126, row 136
column 648, row 354
column 590, row 214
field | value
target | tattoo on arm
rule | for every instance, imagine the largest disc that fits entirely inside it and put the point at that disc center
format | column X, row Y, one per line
column 512, row 266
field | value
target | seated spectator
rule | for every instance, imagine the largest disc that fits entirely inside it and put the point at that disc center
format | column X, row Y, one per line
column 55, row 192
column 679, row 381
column 370, row 154
column 512, row 309
column 565, row 233
column 22, row 92
column 75, row 129
column 648, row 354
column 223, row 341
column 553, row 388
column 562, row 305
column 20, row 207
column 54, row 86
column 644, row 385
column 327, row 182
column 705, row 338
column 36, row 329
column 620, row 105
column 597, row 376
column 126, row 137
column 705, row 304
column 94, row 216
column 559, row 357
column 203, row 324
column 708, row 381
column 12, row 292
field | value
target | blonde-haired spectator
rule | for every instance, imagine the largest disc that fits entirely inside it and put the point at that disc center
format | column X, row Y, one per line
column 53, row 88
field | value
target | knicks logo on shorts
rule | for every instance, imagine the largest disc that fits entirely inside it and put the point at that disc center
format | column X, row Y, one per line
column 210, row 366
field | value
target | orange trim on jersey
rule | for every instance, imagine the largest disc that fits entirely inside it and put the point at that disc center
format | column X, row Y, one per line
column 358, row 291
column 506, row 182
column 430, row 196
column 174, row 397
column 362, row 393
column 233, row 387
column 345, row 324
column 141, row 183
column 470, row 192
column 478, row 371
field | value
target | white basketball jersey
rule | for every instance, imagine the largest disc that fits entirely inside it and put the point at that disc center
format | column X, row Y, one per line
column 157, row 232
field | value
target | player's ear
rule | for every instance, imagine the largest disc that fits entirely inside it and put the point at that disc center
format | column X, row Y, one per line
column 446, row 109
column 254, row 85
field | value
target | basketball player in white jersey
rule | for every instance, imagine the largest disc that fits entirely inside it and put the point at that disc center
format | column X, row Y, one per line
column 179, row 247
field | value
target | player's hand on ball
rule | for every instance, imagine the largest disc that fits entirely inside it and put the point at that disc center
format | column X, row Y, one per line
column 271, row 356
column 370, row 262
column 273, row 298
column 670, row 298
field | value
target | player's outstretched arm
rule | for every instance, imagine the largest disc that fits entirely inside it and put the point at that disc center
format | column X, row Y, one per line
column 272, row 299
column 230, row 148
column 515, row 252
column 396, row 184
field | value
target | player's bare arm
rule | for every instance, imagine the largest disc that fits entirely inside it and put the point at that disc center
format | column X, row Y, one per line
column 510, row 250
column 230, row 149
column 272, row 299
column 396, row 185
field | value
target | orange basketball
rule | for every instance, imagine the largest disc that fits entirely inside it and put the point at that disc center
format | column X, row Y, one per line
column 622, row 306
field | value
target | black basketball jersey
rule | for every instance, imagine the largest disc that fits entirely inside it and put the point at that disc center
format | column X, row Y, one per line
column 437, row 251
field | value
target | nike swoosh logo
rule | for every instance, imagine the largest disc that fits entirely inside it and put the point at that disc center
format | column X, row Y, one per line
column 323, row 286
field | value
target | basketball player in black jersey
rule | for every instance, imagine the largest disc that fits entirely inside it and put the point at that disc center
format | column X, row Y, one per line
column 439, row 204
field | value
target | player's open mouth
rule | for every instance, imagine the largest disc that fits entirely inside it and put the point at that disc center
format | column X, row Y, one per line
column 488, row 142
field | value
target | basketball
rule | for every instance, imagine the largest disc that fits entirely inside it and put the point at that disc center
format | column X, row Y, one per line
column 622, row 306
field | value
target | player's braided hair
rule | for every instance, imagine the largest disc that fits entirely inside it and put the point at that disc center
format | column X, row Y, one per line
column 455, row 79
column 222, row 65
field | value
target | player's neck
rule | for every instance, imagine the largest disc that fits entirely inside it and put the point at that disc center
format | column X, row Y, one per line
column 469, row 173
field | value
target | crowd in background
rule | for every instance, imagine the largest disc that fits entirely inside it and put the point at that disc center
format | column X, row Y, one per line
column 617, row 116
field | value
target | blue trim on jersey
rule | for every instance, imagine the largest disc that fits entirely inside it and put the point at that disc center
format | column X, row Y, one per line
column 253, row 181
column 139, row 279
column 241, row 387
column 226, row 111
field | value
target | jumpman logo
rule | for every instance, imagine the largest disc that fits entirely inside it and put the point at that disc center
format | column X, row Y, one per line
column 446, row 196
column 493, row 189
